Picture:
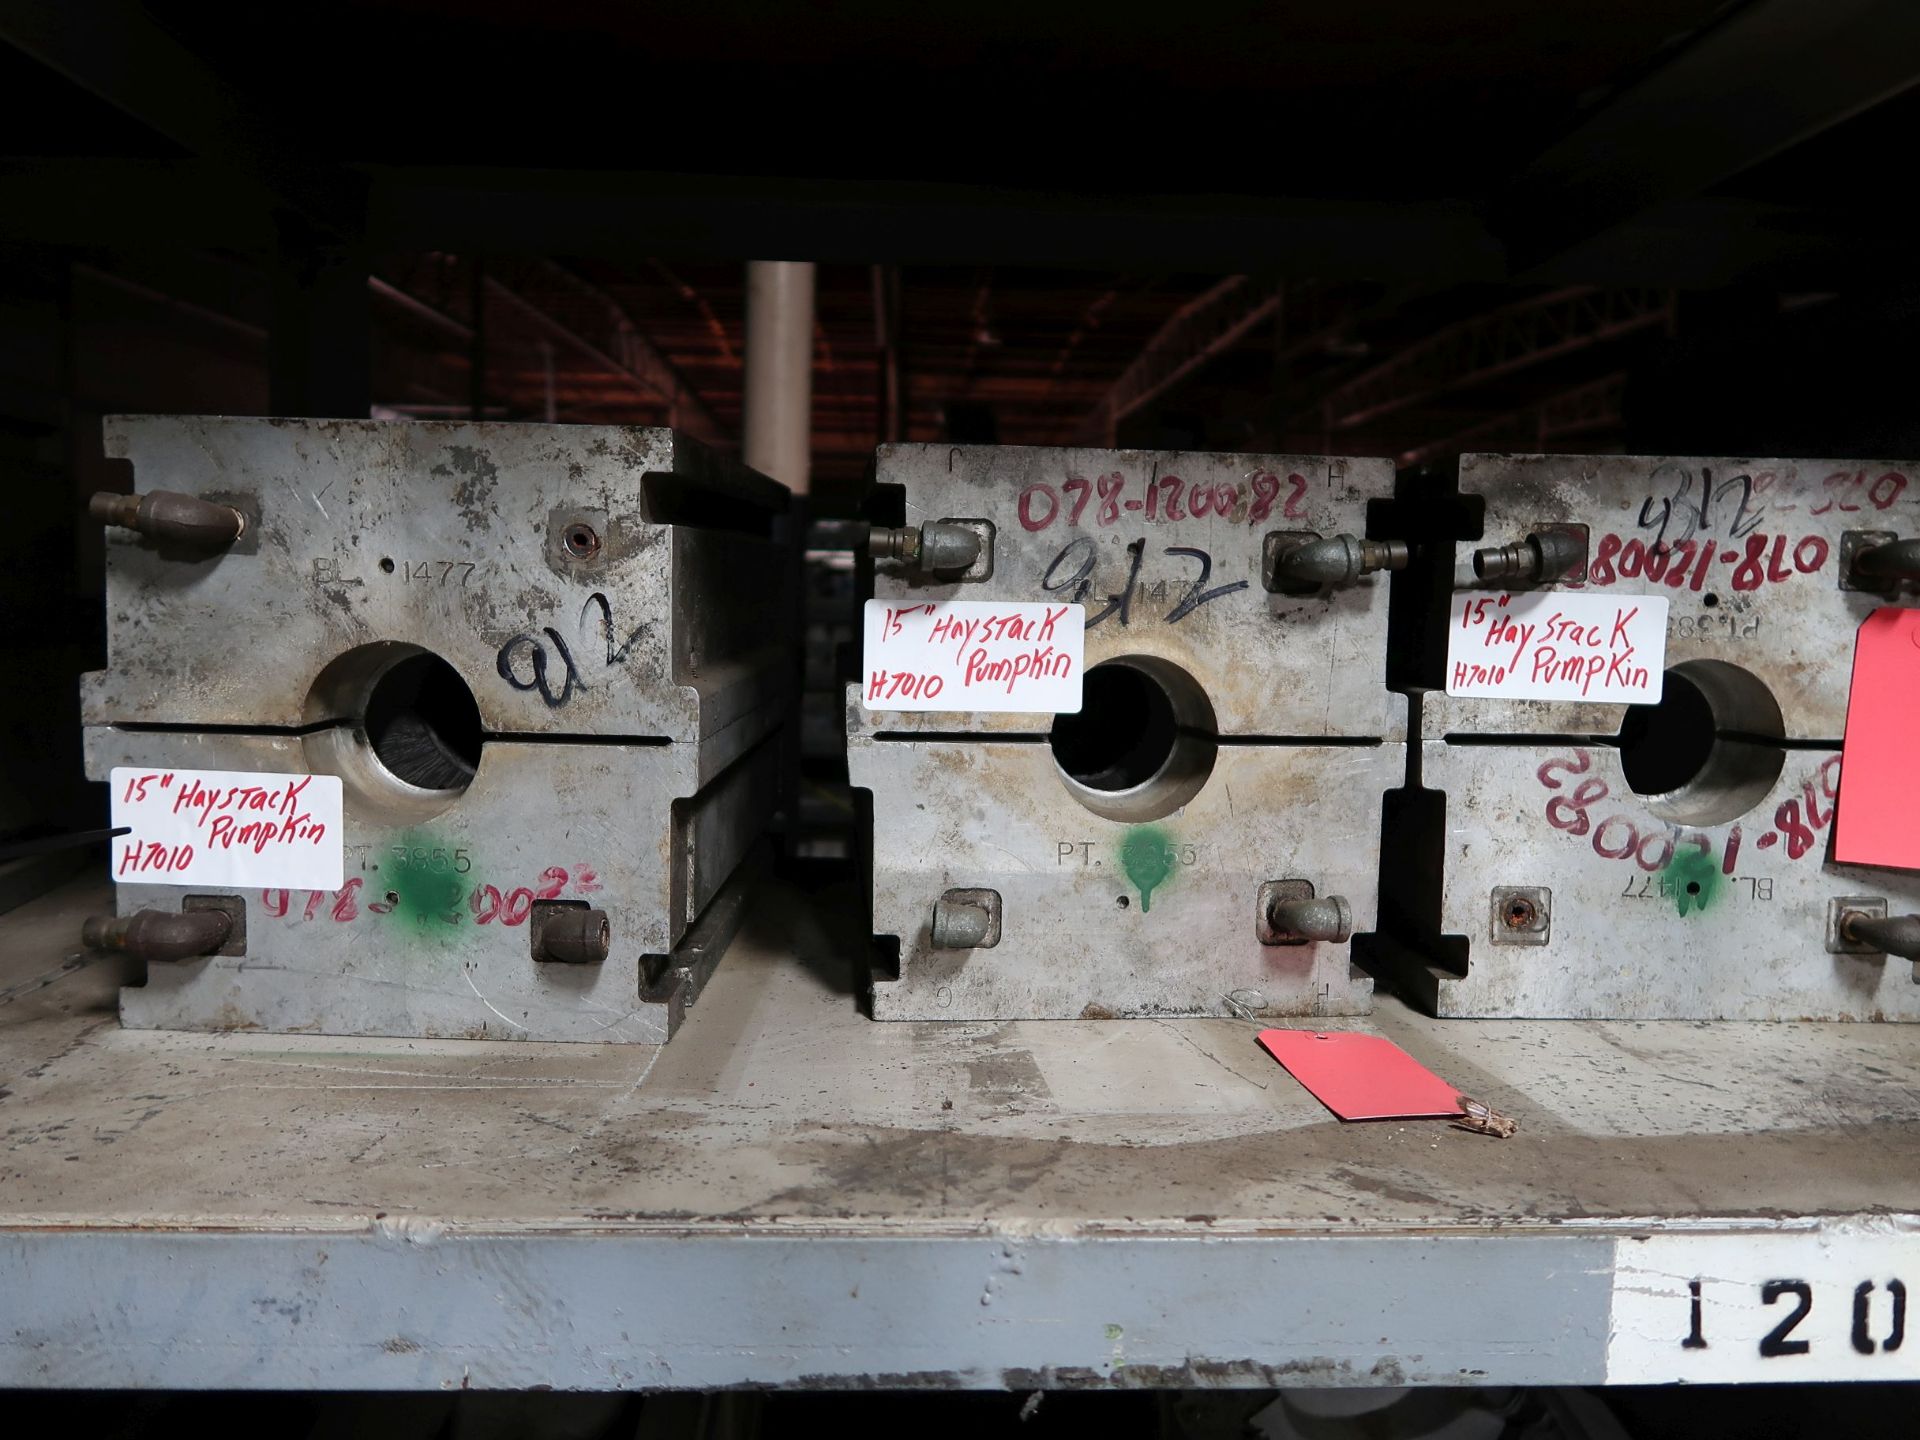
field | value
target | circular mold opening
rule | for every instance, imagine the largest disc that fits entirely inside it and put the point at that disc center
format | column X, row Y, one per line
column 405, row 735
column 1143, row 742
column 1709, row 751
column 423, row 724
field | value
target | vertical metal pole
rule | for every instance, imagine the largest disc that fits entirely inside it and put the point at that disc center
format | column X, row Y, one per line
column 779, row 375
column 1280, row 388
column 477, row 350
column 319, row 342
column 888, row 405
column 896, row 359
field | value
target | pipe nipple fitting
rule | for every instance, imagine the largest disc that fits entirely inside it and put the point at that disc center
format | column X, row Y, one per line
column 1889, row 934
column 1891, row 560
column 938, row 547
column 1541, row 558
column 1305, row 562
column 1328, row 918
column 167, row 515
column 157, row 935
column 574, row 936
column 888, row 543
column 966, row 920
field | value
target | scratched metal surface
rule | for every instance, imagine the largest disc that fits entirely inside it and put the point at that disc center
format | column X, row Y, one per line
column 397, row 1307
column 413, row 944
column 1775, row 609
column 1179, row 582
column 445, row 536
column 1648, row 919
column 448, row 537
column 1270, row 664
column 1146, row 1203
column 1106, row 918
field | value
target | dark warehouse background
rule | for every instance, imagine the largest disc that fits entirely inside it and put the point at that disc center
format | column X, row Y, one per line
column 1365, row 228
column 1362, row 227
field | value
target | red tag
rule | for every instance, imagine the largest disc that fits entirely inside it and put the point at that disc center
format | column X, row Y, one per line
column 1879, row 816
column 1360, row 1076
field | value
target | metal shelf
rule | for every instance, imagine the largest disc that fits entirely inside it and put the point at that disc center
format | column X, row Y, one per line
column 790, row 1194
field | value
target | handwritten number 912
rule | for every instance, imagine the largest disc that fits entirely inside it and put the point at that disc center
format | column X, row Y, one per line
column 1076, row 581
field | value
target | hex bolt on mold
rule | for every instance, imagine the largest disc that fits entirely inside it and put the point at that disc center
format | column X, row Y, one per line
column 1544, row 556
column 939, row 546
column 572, row 935
column 168, row 515
column 1302, row 560
column 159, row 935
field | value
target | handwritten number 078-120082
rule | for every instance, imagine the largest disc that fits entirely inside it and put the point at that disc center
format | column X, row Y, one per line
column 1164, row 499
column 1079, row 581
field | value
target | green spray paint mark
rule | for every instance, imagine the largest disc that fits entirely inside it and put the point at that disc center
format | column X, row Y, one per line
column 421, row 878
column 1692, row 879
column 1147, row 857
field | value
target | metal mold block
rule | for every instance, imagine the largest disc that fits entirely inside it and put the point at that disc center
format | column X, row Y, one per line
column 1769, row 593
column 1104, row 918
column 1111, row 904
column 627, row 666
column 1652, row 918
column 1712, row 900
column 1098, row 526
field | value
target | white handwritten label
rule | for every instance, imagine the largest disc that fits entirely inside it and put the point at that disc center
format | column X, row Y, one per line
column 1556, row 645
column 974, row 655
column 1830, row 1304
column 227, row 828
